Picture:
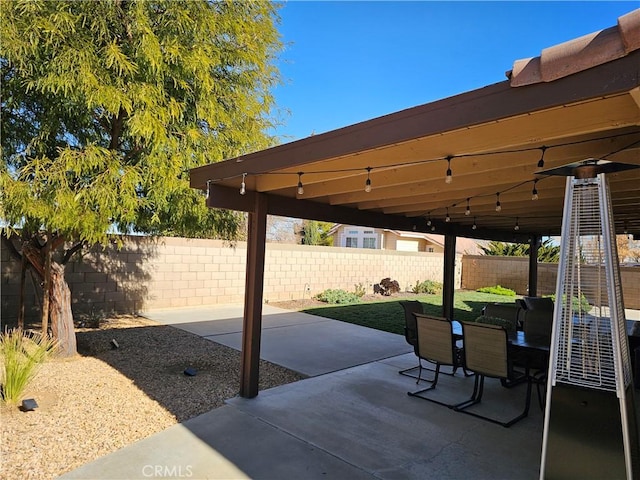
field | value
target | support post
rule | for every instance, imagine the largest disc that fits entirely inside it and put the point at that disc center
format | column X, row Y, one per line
column 449, row 275
column 534, row 245
column 254, row 285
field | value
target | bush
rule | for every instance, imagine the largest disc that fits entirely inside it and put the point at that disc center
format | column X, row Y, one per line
column 428, row 286
column 360, row 290
column 581, row 305
column 497, row 290
column 337, row 296
column 21, row 354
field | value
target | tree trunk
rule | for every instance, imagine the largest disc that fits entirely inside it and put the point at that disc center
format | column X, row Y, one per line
column 23, row 279
column 46, row 287
column 59, row 301
column 60, row 311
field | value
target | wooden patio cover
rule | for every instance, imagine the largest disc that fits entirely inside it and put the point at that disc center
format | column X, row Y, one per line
column 577, row 101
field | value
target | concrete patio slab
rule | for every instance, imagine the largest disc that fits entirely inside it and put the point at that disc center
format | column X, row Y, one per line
column 304, row 343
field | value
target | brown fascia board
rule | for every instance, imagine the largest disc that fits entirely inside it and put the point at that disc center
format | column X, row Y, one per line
column 229, row 198
column 480, row 106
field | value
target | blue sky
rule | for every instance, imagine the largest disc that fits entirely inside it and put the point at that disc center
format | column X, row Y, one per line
column 346, row 62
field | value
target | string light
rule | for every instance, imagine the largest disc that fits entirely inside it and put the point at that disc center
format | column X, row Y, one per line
column 433, row 228
column 448, row 179
column 367, row 184
column 626, row 228
column 474, row 226
column 541, row 161
column 517, row 226
column 243, row 186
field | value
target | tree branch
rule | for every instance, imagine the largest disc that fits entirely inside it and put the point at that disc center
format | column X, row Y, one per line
column 116, row 129
column 70, row 252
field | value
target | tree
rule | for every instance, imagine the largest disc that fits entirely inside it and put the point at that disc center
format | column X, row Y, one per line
column 107, row 105
column 547, row 252
column 316, row 233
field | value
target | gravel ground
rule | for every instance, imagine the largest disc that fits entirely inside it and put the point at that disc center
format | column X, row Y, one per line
column 104, row 398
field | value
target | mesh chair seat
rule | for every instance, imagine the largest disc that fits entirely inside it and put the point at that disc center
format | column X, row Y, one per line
column 487, row 354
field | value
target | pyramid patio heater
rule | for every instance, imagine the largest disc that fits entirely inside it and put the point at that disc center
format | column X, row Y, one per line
column 590, row 429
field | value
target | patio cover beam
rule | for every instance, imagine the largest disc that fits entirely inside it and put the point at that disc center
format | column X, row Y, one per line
column 448, row 282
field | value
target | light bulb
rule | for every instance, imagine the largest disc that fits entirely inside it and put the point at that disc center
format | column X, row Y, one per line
column 449, row 176
column 300, row 187
column 541, row 161
column 243, row 186
column 367, row 184
column 467, row 212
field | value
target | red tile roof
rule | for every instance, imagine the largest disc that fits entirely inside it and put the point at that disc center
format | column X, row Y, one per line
column 579, row 54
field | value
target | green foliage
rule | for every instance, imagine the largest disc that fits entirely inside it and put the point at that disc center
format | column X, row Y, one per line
column 498, row 290
column 547, row 252
column 316, row 233
column 578, row 305
column 21, row 354
column 107, row 105
column 428, row 286
column 509, row 325
column 337, row 296
column 360, row 290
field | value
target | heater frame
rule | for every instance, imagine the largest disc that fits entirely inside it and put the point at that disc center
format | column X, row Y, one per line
column 622, row 369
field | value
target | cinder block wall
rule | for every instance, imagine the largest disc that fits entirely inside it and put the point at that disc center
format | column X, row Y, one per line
column 174, row 272
column 513, row 272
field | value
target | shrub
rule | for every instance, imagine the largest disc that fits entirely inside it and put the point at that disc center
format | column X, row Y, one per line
column 360, row 290
column 581, row 305
column 498, row 290
column 21, row 354
column 337, row 296
column 428, row 286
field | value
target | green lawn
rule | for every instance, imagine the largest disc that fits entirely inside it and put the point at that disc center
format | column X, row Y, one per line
column 389, row 316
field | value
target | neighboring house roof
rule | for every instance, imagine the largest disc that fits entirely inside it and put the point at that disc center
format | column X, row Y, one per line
column 580, row 53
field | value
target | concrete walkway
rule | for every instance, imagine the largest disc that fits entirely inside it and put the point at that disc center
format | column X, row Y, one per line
column 351, row 420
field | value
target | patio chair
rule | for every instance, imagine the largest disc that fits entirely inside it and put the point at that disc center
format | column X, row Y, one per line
column 410, row 333
column 411, row 307
column 436, row 343
column 487, row 354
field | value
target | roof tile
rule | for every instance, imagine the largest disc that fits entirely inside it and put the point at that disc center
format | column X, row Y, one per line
column 579, row 54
